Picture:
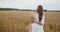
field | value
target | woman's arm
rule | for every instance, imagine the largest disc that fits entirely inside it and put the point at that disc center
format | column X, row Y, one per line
column 38, row 23
column 43, row 19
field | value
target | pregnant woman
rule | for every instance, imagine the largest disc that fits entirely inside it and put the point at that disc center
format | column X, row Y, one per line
column 38, row 21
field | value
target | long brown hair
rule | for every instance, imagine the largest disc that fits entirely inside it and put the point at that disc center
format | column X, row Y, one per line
column 40, row 11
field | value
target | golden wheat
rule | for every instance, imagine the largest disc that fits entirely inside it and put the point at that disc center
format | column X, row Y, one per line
column 17, row 21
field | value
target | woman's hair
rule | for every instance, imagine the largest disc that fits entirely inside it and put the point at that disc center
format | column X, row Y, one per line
column 40, row 9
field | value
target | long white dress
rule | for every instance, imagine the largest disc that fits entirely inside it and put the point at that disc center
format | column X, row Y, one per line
column 36, row 27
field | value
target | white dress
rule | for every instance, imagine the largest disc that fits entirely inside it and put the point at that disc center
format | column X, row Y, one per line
column 36, row 27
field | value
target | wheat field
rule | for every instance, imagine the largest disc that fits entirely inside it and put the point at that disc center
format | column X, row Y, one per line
column 17, row 21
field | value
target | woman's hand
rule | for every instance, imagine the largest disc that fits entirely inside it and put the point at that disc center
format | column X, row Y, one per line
column 39, row 23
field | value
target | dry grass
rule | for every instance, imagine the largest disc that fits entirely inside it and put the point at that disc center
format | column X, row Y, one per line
column 16, row 21
column 52, row 22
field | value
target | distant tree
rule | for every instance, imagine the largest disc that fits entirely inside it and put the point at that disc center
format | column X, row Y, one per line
column 45, row 10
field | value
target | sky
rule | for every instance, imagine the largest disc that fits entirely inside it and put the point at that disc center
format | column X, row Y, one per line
column 30, row 4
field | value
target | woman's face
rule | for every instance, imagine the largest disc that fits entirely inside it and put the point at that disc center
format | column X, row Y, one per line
column 39, row 10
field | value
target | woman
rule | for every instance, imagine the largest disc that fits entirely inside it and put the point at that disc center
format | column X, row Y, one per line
column 38, row 21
